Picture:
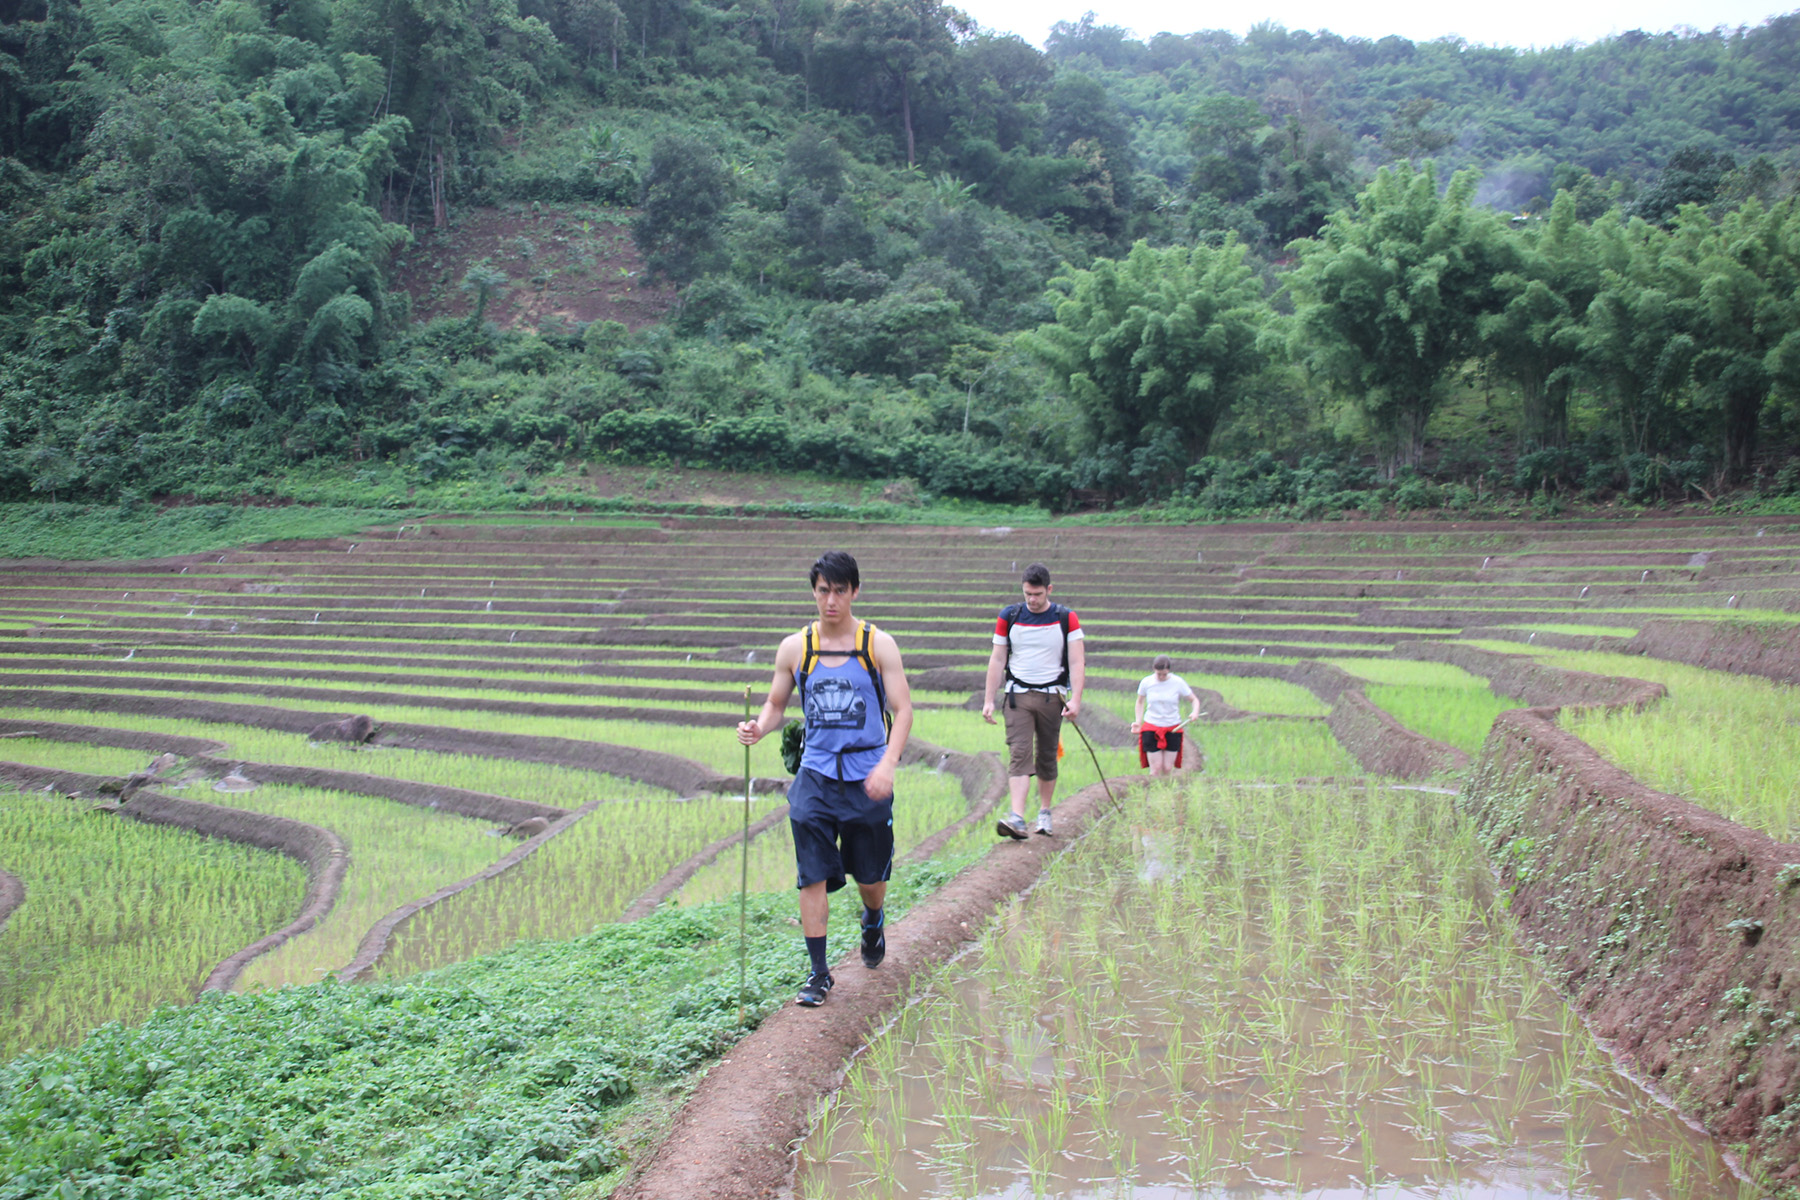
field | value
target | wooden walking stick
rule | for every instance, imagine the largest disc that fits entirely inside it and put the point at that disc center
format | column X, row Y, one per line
column 744, row 879
column 1096, row 758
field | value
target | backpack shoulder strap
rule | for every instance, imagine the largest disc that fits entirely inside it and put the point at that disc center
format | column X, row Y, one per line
column 865, row 650
column 809, row 657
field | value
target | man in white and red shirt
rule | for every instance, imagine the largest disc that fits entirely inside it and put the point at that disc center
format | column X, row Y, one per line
column 1039, row 653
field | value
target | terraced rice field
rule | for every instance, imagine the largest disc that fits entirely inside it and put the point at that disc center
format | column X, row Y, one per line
column 582, row 679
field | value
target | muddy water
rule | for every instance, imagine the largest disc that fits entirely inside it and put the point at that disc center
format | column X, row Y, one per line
column 1252, row 994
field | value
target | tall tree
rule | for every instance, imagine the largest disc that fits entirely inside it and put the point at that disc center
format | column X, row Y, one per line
column 1749, row 304
column 1535, row 335
column 681, row 226
column 1165, row 341
column 1637, row 343
column 1388, row 297
column 882, row 54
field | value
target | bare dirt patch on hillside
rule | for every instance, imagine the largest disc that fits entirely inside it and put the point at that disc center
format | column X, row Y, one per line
column 564, row 266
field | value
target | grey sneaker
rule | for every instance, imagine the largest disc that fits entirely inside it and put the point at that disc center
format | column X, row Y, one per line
column 1043, row 825
column 1011, row 825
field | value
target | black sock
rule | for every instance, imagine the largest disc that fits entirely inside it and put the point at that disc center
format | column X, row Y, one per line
column 873, row 918
column 815, row 949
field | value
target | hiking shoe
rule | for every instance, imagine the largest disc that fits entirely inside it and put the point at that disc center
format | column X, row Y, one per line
column 813, row 991
column 874, row 946
column 1011, row 825
column 1043, row 825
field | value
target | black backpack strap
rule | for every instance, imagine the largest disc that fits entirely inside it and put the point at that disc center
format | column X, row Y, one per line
column 865, row 651
column 1063, row 617
column 1011, row 616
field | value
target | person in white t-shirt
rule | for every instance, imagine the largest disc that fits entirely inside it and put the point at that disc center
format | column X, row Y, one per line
column 1158, row 722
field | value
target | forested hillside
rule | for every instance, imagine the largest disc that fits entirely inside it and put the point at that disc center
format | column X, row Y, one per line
column 1284, row 270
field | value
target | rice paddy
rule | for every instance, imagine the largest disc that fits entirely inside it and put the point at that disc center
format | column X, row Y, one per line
column 121, row 917
column 1235, row 990
column 1248, row 983
column 397, row 853
column 1730, row 743
column 575, row 882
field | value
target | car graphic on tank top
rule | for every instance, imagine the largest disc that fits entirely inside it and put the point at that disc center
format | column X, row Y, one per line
column 834, row 702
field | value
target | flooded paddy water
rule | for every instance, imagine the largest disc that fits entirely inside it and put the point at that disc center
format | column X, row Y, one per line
column 1232, row 990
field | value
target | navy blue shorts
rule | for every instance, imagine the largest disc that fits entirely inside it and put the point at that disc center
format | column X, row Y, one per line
column 838, row 830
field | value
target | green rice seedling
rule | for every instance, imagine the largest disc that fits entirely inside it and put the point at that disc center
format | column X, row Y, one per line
column 397, row 853
column 582, row 878
column 73, row 756
column 1458, row 716
column 1275, row 697
column 541, row 783
column 1691, row 743
column 121, row 917
column 1285, row 1050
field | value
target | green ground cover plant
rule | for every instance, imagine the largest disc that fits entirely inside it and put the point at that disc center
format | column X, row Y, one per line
column 1282, row 990
column 397, row 853
column 120, row 917
column 1727, row 742
column 577, row 881
column 515, row 1077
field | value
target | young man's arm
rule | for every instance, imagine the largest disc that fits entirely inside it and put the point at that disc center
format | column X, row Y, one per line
column 879, row 784
column 995, row 672
column 787, row 660
column 1077, row 676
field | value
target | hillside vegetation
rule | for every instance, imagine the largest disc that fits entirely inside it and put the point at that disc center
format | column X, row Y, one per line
column 413, row 244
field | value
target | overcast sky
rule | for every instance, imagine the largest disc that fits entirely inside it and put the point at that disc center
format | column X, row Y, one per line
column 1498, row 22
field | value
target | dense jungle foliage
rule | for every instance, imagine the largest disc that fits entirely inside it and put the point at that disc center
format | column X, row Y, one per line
column 1282, row 270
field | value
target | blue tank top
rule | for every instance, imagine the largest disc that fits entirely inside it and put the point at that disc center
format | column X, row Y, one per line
column 845, row 733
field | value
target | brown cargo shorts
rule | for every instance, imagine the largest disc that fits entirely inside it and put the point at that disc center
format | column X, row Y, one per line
column 1032, row 716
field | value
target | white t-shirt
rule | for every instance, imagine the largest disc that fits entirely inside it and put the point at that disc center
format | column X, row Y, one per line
column 1162, row 701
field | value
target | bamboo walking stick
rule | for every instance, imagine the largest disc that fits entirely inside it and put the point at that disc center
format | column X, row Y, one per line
column 1096, row 758
column 744, row 879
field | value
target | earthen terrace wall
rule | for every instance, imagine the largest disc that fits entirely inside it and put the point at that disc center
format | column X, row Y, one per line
column 1675, row 932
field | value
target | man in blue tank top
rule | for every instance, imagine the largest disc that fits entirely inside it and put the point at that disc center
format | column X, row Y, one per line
column 841, row 803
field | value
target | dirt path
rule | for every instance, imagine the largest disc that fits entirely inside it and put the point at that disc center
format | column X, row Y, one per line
column 732, row 1139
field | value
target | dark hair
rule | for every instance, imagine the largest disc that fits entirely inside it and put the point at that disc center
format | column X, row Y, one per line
column 834, row 566
column 1037, row 575
column 1163, row 663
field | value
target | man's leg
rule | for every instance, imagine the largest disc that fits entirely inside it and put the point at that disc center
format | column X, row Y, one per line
column 815, row 910
column 1020, row 729
column 1019, row 787
column 817, row 864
